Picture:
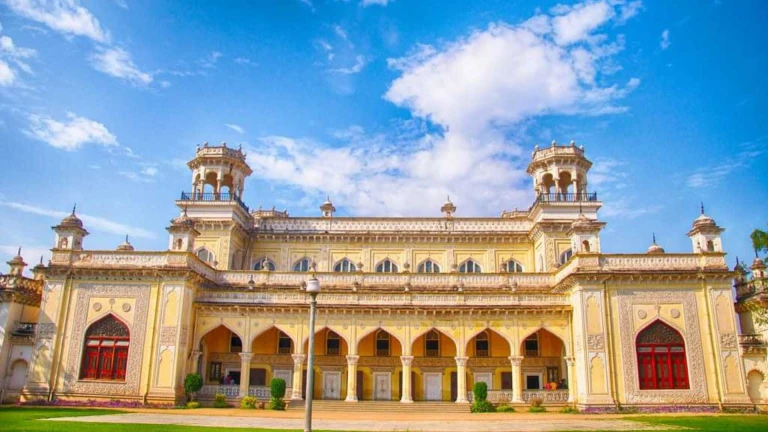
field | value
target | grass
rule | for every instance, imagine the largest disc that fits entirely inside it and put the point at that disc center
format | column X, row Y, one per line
column 13, row 419
column 713, row 423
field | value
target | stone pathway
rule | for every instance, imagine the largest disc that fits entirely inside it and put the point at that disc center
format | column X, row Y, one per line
column 507, row 424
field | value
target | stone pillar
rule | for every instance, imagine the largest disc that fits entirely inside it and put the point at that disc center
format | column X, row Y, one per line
column 517, row 385
column 557, row 188
column 298, row 368
column 571, row 379
column 406, row 390
column 196, row 361
column 461, row 379
column 352, row 378
column 245, row 372
column 576, row 189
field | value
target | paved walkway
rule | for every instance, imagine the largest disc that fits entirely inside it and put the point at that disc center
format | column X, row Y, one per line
column 496, row 423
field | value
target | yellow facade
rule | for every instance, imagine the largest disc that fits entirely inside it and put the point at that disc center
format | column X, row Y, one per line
column 525, row 302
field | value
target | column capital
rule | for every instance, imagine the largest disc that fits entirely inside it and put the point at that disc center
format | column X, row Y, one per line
column 352, row 360
column 515, row 360
column 571, row 361
column 299, row 358
column 461, row 361
column 246, row 356
column 196, row 353
column 406, row 360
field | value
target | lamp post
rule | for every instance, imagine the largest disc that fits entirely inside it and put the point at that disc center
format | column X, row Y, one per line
column 313, row 288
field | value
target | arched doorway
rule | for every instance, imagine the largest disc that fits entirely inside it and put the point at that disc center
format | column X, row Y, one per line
column 754, row 382
column 543, row 369
column 661, row 358
column 105, row 350
column 330, row 380
column 222, row 365
column 379, row 366
column 434, row 375
column 488, row 362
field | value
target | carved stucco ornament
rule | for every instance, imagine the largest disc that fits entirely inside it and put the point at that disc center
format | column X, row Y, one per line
column 96, row 307
column 642, row 314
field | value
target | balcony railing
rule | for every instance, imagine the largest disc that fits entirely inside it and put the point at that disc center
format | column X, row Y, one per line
column 209, row 196
column 504, row 396
column 265, row 392
column 24, row 329
column 230, row 391
column 751, row 340
column 567, row 197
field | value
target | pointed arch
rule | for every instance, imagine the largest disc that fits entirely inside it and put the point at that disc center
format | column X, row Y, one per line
column 469, row 265
column 416, row 338
column 105, row 349
column 373, row 330
column 329, row 327
column 661, row 357
column 205, row 255
column 221, row 324
column 302, row 265
column 512, row 266
column 565, row 256
column 386, row 266
column 264, row 263
column 260, row 331
column 428, row 266
column 344, row 265
column 471, row 338
column 565, row 351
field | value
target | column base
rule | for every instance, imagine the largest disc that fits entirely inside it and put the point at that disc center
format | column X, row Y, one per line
column 350, row 399
column 297, row 397
column 462, row 401
column 406, row 401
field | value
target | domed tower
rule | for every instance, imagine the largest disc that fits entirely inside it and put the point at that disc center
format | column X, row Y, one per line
column 216, row 209
column 182, row 233
column 70, row 233
column 327, row 209
column 17, row 264
column 705, row 234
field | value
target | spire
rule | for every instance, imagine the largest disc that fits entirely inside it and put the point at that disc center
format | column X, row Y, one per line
column 19, row 252
column 702, row 207
column 654, row 240
column 74, row 208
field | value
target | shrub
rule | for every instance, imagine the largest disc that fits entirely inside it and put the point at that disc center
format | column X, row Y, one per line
column 482, row 407
column 569, row 410
column 192, row 384
column 261, row 404
column 537, row 409
column 220, row 401
column 480, row 391
column 505, row 408
column 277, row 390
column 536, row 402
column 248, row 402
column 193, row 405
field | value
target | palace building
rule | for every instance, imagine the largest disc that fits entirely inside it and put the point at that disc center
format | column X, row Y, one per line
column 411, row 309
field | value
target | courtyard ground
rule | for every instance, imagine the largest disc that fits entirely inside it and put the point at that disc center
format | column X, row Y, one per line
column 210, row 420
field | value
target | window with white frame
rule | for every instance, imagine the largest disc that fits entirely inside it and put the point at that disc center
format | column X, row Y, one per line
column 302, row 265
column 344, row 266
column 511, row 266
column 470, row 266
column 428, row 266
column 386, row 266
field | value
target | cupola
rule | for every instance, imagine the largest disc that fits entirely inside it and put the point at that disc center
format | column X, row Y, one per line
column 70, row 232
column 126, row 246
column 655, row 248
column 17, row 264
column 327, row 208
column 705, row 234
column 448, row 208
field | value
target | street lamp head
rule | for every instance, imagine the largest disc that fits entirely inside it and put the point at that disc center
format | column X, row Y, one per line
column 313, row 286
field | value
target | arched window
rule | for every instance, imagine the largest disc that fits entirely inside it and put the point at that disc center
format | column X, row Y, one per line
column 382, row 344
column 105, row 353
column 661, row 362
column 205, row 255
column 470, row 266
column 386, row 266
column 532, row 345
column 585, row 245
column 511, row 266
column 301, row 265
column 284, row 343
column 264, row 264
column 432, row 344
column 565, row 256
column 482, row 345
column 344, row 266
column 177, row 244
column 332, row 344
column 710, row 246
column 63, row 243
column 235, row 344
column 428, row 266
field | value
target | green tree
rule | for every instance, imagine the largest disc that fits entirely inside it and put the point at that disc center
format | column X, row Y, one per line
column 192, row 384
column 277, row 390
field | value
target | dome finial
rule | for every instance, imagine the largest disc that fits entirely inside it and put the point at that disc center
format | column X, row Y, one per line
column 41, row 260
column 126, row 238
column 19, row 252
column 74, row 207
column 702, row 207
column 654, row 239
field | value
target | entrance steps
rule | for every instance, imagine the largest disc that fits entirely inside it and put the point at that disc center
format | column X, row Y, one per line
column 382, row 406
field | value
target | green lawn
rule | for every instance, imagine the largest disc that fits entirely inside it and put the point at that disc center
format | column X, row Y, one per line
column 716, row 423
column 27, row 419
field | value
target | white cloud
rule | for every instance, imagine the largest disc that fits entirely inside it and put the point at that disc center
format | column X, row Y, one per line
column 340, row 32
column 65, row 16
column 665, row 43
column 356, row 68
column 235, row 128
column 70, row 134
column 713, row 175
column 366, row 3
column 468, row 99
column 7, row 75
column 578, row 23
column 150, row 171
column 122, row 3
column 96, row 223
column 118, row 63
column 244, row 61
column 211, row 60
column 629, row 10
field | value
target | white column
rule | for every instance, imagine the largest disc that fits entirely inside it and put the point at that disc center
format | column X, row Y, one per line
column 352, row 378
column 571, row 379
column 406, row 390
column 298, row 368
column 245, row 372
column 461, row 379
column 517, row 386
column 575, row 189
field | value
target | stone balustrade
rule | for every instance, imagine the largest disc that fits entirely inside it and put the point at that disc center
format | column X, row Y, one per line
column 505, row 396
column 229, row 391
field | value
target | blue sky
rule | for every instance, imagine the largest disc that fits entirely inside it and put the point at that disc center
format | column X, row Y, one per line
column 386, row 106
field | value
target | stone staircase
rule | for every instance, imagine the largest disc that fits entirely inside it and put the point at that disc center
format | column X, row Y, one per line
column 382, row 406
